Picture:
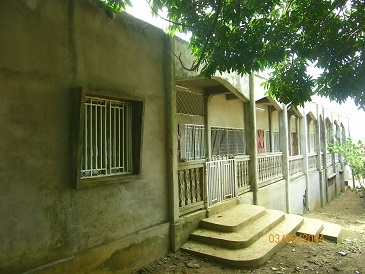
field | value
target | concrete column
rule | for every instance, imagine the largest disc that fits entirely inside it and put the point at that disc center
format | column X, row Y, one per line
column 318, row 150
column 303, row 131
column 207, row 99
column 318, row 139
column 284, row 147
column 325, row 177
column 171, row 146
column 251, row 142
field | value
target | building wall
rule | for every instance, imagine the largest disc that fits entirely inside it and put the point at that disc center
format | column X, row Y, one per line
column 233, row 81
column 331, row 192
column 49, row 47
column 262, row 117
column 275, row 121
column 233, row 111
column 273, row 196
column 297, row 189
column 314, row 191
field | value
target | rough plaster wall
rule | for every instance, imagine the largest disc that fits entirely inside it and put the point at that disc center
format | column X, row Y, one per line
column 331, row 192
column 50, row 47
column 273, row 196
column 275, row 121
column 238, row 82
column 296, row 191
column 262, row 117
column 314, row 191
column 232, row 109
column 246, row 198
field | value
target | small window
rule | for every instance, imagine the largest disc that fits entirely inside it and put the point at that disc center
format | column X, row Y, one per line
column 107, row 144
column 109, row 139
column 194, row 142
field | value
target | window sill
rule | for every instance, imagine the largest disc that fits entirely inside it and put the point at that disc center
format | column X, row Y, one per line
column 106, row 180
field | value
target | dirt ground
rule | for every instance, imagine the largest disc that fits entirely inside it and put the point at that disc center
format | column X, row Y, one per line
column 348, row 210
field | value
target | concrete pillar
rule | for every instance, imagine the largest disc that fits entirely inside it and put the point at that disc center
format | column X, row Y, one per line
column 318, row 150
column 325, row 177
column 207, row 99
column 171, row 131
column 303, row 131
column 251, row 142
column 284, row 147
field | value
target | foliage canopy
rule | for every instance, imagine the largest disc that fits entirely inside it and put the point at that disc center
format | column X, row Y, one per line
column 284, row 37
column 353, row 154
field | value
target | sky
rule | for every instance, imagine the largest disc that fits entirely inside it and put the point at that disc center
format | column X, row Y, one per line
column 142, row 11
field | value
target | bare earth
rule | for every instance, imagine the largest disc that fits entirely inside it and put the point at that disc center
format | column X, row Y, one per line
column 348, row 210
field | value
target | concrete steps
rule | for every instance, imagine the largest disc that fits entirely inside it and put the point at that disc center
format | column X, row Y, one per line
column 319, row 231
column 243, row 237
column 248, row 235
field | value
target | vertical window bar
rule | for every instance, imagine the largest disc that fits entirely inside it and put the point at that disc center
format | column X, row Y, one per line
column 129, row 141
column 115, row 139
column 91, row 138
column 96, row 136
column 110, row 138
column 118, row 135
column 122, row 151
column 101, row 137
column 85, row 162
column 105, row 139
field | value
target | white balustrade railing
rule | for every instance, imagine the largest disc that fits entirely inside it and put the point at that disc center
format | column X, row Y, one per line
column 242, row 171
column 312, row 162
column 296, row 166
column 270, row 167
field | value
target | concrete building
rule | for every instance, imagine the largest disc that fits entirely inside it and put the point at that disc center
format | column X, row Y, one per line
column 111, row 153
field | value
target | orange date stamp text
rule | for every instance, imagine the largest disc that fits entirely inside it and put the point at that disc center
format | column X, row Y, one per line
column 296, row 238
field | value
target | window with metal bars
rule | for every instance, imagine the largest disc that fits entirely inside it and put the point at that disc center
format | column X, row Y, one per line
column 276, row 141
column 106, row 137
column 268, row 141
column 194, row 142
column 227, row 141
column 107, row 144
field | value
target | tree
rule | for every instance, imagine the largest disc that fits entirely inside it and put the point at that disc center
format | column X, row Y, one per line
column 353, row 154
column 284, row 37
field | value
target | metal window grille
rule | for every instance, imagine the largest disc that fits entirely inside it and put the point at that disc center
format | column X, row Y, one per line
column 227, row 141
column 268, row 141
column 107, row 147
column 188, row 102
column 276, row 141
column 194, row 142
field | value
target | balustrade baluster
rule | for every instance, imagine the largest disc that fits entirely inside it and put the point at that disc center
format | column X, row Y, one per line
column 182, row 188
column 188, row 186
